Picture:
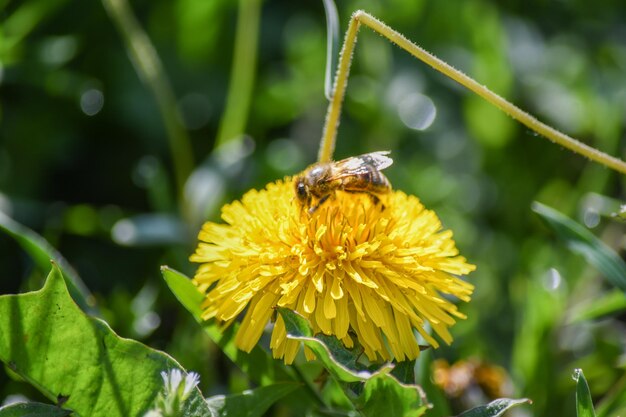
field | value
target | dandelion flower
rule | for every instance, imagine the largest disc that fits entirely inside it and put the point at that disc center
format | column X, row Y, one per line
column 362, row 273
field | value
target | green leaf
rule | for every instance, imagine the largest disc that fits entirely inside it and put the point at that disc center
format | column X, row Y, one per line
column 258, row 364
column 380, row 393
column 495, row 408
column 583, row 242
column 298, row 328
column 609, row 304
column 184, row 290
column 346, row 357
column 42, row 252
column 47, row 340
column 405, row 372
column 383, row 395
column 296, row 325
column 33, row 410
column 250, row 403
column 584, row 405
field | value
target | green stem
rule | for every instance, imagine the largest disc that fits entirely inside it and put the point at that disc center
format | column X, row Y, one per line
column 150, row 70
column 233, row 122
column 334, row 109
column 327, row 147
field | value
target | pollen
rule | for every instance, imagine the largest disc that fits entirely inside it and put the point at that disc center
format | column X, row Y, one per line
column 372, row 277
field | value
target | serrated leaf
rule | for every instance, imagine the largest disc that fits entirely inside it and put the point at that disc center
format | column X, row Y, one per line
column 47, row 340
column 258, row 364
column 42, row 252
column 346, row 357
column 584, row 405
column 250, row 403
column 33, row 410
column 495, row 408
column 582, row 241
column 383, row 395
column 298, row 329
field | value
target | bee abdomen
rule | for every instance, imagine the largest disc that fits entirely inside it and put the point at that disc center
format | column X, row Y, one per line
column 371, row 181
column 378, row 179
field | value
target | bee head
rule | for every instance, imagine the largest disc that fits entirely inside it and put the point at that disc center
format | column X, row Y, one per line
column 302, row 191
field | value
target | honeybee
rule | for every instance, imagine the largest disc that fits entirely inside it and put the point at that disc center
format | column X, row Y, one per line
column 357, row 174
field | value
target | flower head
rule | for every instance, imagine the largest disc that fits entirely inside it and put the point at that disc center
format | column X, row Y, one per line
column 356, row 270
column 177, row 387
column 172, row 381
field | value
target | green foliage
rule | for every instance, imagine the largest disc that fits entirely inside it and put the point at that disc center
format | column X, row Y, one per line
column 47, row 340
column 584, row 405
column 614, row 403
column 372, row 393
column 610, row 304
column 251, row 403
column 298, row 329
column 493, row 409
column 581, row 241
column 42, row 253
column 258, row 364
column 33, row 410
column 384, row 394
column 95, row 153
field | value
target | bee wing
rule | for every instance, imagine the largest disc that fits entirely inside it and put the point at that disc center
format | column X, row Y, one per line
column 356, row 165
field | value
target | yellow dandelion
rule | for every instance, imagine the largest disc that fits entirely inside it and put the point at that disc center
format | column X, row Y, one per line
column 353, row 269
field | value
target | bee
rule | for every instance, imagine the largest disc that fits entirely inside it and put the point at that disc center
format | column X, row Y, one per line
column 357, row 174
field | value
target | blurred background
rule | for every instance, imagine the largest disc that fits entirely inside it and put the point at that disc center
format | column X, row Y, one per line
column 117, row 164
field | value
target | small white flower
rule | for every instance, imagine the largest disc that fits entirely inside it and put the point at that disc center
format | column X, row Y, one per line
column 177, row 387
column 172, row 380
column 191, row 380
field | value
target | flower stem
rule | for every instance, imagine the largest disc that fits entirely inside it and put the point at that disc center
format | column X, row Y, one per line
column 242, row 72
column 327, row 147
column 332, row 118
column 151, row 72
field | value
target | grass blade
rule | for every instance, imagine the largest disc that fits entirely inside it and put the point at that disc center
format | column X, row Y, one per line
column 583, row 242
column 584, row 405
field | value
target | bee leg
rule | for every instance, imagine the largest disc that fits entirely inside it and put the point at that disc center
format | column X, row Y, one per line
column 319, row 203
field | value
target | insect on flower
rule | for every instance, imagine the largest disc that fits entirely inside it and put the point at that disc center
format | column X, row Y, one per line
column 357, row 174
column 372, row 277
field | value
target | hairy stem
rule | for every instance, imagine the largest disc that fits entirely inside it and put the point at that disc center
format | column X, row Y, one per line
column 327, row 146
column 332, row 117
